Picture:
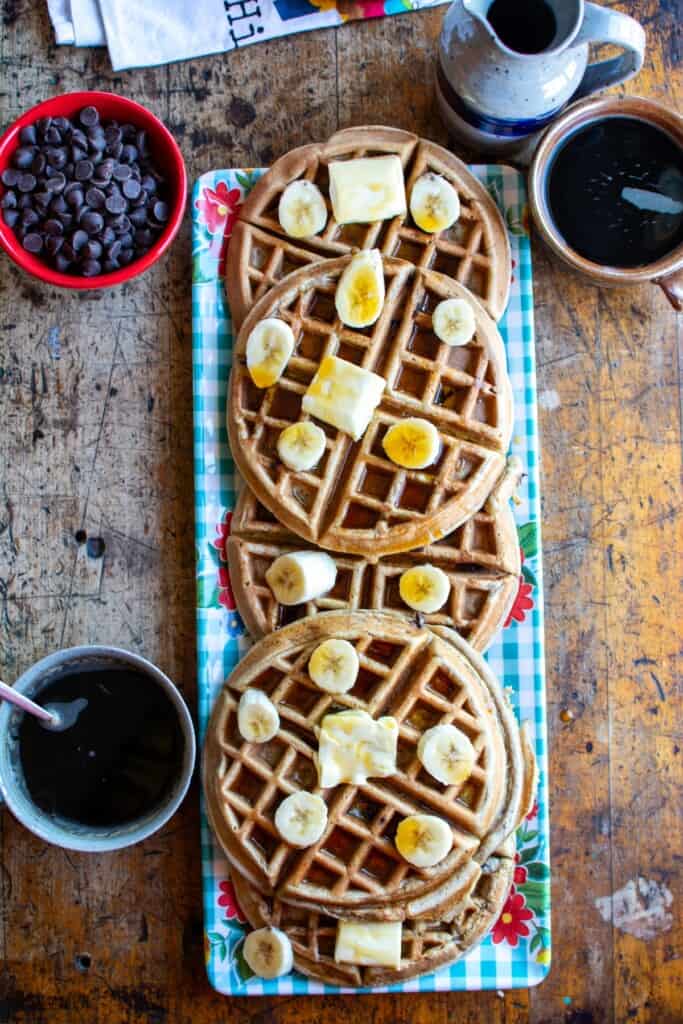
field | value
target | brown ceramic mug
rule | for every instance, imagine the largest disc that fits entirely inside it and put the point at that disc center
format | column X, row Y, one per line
column 667, row 271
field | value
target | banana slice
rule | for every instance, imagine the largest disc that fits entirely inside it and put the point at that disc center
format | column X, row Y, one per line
column 302, row 212
column 301, row 445
column 268, row 952
column 257, row 717
column 375, row 944
column 423, row 840
column 453, row 322
column 424, row 588
column 447, row 754
column 344, row 395
column 301, row 818
column 269, row 347
column 367, row 189
column 334, row 666
column 434, row 203
column 301, row 576
column 413, row 443
column 360, row 292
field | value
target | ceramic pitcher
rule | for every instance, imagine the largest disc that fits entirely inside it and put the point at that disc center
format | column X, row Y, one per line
column 496, row 99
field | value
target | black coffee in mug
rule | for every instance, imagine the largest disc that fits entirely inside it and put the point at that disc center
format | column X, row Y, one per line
column 615, row 192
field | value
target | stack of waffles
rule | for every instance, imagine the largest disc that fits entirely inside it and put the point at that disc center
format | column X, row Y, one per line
column 363, row 770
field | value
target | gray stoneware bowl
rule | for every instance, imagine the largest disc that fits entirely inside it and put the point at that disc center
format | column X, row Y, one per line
column 68, row 834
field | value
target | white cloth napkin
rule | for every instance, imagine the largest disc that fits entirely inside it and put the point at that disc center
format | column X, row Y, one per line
column 141, row 33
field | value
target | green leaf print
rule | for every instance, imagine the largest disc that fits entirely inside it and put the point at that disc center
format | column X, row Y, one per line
column 537, row 896
column 529, row 576
column 242, row 968
column 529, row 854
column 207, row 592
column 528, row 539
column 537, row 870
column 247, row 181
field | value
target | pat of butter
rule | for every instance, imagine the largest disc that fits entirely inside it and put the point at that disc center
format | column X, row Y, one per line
column 353, row 747
column 344, row 395
column 372, row 945
column 367, row 189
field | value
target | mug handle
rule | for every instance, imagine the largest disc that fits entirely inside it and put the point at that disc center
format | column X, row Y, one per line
column 672, row 286
column 602, row 25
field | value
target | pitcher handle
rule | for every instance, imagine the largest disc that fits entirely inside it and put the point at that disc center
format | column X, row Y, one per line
column 602, row 25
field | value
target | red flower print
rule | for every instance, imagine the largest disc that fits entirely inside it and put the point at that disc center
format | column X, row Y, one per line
column 222, row 533
column 522, row 604
column 225, row 594
column 218, row 206
column 520, row 874
column 218, row 209
column 533, row 813
column 228, row 901
column 510, row 925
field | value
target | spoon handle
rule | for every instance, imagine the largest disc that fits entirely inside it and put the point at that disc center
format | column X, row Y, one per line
column 10, row 694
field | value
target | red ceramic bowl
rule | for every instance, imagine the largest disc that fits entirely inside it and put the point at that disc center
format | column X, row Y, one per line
column 167, row 158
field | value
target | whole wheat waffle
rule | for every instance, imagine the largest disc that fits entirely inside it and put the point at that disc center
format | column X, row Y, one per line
column 480, row 558
column 475, row 251
column 420, row 678
column 426, row 945
column 356, row 500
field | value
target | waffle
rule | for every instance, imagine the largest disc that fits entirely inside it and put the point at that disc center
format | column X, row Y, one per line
column 422, row 679
column 426, row 945
column 475, row 251
column 356, row 500
column 480, row 558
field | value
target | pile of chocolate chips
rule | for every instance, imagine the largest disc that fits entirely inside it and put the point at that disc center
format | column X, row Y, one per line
column 84, row 194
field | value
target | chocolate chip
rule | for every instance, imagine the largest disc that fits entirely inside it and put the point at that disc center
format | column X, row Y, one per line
column 138, row 217
column 68, row 251
column 121, row 224
column 127, row 256
column 108, row 235
column 131, row 188
column 62, row 263
column 89, row 116
column 74, row 196
column 149, row 184
column 56, row 183
column 92, row 221
column 9, row 200
column 33, row 242
column 26, row 183
column 115, row 149
column 126, row 240
column 91, row 268
column 58, row 204
column 122, row 172
column 10, row 177
column 53, row 136
column 116, row 204
column 95, row 197
column 113, row 134
column 38, row 163
column 66, row 219
column 78, row 154
column 110, row 265
column 143, row 237
column 92, row 250
column 129, row 154
column 10, row 217
column 78, row 239
column 53, row 243
column 114, row 250
column 29, row 217
column 84, row 170
column 24, row 200
column 79, row 138
column 54, row 227
column 23, row 157
column 141, row 141
column 63, row 123
column 28, row 135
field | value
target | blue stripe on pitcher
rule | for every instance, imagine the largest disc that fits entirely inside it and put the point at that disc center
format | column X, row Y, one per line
column 516, row 129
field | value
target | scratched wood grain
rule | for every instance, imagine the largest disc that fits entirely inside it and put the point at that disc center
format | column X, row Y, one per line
column 95, row 444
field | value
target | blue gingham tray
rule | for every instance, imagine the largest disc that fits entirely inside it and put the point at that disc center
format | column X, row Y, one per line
column 517, row 952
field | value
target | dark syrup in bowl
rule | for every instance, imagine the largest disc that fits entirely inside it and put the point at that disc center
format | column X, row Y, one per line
column 120, row 759
column 615, row 192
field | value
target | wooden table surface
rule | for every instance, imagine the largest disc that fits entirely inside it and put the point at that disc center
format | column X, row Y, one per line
column 96, row 436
